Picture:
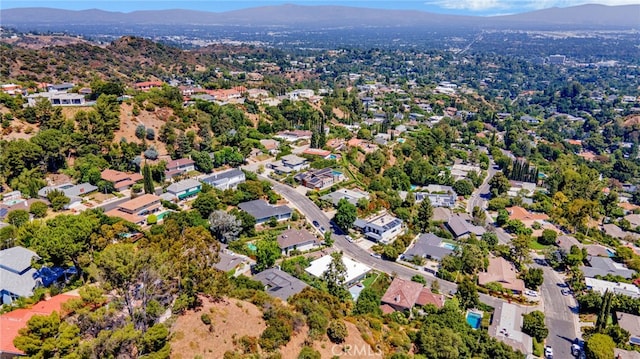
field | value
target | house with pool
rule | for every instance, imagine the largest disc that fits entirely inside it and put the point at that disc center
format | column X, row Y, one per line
column 429, row 246
column 319, row 179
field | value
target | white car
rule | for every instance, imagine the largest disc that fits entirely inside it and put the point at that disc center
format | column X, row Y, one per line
column 531, row 293
column 348, row 238
column 548, row 352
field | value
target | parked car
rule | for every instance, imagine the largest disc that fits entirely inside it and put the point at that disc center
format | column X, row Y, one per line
column 348, row 238
column 376, row 255
column 566, row 291
column 322, row 230
column 316, row 224
column 548, row 352
column 531, row 293
column 575, row 349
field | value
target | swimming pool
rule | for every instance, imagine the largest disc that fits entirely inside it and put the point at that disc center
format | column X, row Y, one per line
column 336, row 173
column 450, row 246
column 161, row 215
column 474, row 319
column 11, row 202
column 332, row 157
column 252, row 247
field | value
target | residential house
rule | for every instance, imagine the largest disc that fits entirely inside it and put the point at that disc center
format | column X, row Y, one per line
column 317, row 152
column 297, row 239
column 356, row 271
column 136, row 210
column 11, row 89
column 11, row 322
column 506, row 326
column 617, row 232
column 517, row 188
column 226, row 180
column 270, row 145
column 437, row 199
column 602, row 286
column 263, row 211
column 403, row 295
column 230, row 262
column 57, row 98
column 19, row 278
column 460, row 171
column 71, row 191
column 461, row 228
column 288, row 164
column 601, row 266
column 526, row 217
column 502, row 272
column 351, row 195
column 630, row 323
column 429, row 246
column 280, row 284
column 382, row 228
column 121, row 181
column 441, row 214
column 147, row 85
column 179, row 166
column 184, row 189
column 63, row 87
column 634, row 220
column 294, row 136
column 319, row 179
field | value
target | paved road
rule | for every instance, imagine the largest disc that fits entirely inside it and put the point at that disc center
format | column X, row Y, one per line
column 313, row 213
column 479, row 196
column 560, row 313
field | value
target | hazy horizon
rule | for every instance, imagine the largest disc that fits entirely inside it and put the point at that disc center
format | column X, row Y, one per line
column 457, row 7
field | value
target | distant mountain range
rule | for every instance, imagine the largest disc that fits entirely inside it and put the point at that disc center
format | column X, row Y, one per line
column 310, row 17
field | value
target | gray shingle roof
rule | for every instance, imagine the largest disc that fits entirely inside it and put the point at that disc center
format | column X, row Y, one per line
column 16, row 274
column 260, row 209
column 603, row 266
column 428, row 245
column 280, row 284
column 223, row 177
column 183, row 185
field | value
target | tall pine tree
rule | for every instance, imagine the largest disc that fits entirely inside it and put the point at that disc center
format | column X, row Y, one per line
column 147, row 179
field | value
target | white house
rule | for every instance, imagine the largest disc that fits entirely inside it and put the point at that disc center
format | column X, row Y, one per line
column 381, row 228
column 185, row 189
column 289, row 163
column 356, row 271
column 225, row 180
column 57, row 98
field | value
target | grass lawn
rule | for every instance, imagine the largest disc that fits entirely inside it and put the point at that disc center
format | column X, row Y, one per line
column 370, row 278
column 535, row 245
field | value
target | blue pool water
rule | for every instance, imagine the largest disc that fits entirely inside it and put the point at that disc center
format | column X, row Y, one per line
column 252, row 246
column 161, row 216
column 332, row 156
column 336, row 173
column 474, row 319
column 11, row 202
column 611, row 253
column 414, row 187
column 450, row 246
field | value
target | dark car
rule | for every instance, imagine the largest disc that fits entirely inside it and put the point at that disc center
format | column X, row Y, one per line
column 316, row 224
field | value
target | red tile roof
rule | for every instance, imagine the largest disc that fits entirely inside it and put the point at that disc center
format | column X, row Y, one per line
column 428, row 297
column 519, row 213
column 12, row 322
column 402, row 294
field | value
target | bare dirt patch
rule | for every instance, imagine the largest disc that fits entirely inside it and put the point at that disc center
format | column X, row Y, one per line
column 230, row 318
column 129, row 122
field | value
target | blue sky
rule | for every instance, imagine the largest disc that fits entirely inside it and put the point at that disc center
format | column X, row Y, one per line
column 463, row 7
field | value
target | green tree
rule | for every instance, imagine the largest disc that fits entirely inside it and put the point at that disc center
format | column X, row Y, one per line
column 520, row 249
column 499, row 184
column 533, row 324
column 57, row 199
column 467, row 294
column 346, row 214
column 309, row 353
column 267, row 252
column 423, row 217
column 599, row 346
column 337, row 331
column 490, row 238
column 548, row 237
column 419, row 279
column 147, row 180
column 206, row 203
column 335, row 275
column 38, row 209
column 463, row 187
column 224, row 226
column 48, row 337
column 533, row 278
column 18, row 217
